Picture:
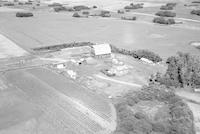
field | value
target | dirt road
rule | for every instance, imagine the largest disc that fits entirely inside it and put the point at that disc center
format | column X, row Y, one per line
column 118, row 81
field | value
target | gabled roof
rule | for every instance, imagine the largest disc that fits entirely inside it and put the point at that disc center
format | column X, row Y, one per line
column 101, row 49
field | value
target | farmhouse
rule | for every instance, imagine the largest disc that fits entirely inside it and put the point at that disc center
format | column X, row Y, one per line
column 101, row 50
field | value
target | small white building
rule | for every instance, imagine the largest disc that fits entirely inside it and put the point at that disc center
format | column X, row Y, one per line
column 146, row 60
column 101, row 50
column 60, row 66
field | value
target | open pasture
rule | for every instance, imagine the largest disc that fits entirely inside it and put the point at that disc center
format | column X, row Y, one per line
column 48, row 28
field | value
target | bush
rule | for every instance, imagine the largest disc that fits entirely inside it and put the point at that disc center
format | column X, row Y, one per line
column 134, row 6
column 128, row 18
column 54, row 5
column 80, row 7
column 196, row 2
column 105, row 13
column 94, row 6
column 171, row 4
column 76, row 15
column 20, row 3
column 85, row 12
column 166, row 8
column 120, row 11
column 24, row 14
column 162, row 20
column 60, row 8
column 148, row 55
column 138, row 54
column 179, row 118
column 28, row 3
column 166, row 14
column 196, row 12
column 8, row 4
column 183, row 71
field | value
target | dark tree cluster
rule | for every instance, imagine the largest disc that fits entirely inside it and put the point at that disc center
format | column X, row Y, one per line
column 134, row 6
column 105, row 13
column 8, row 4
column 138, row 54
column 166, row 14
column 168, row 6
column 24, row 14
column 60, row 8
column 55, row 5
column 195, row 12
column 183, row 70
column 162, row 20
column 128, row 18
column 80, row 7
column 198, row 2
column 179, row 119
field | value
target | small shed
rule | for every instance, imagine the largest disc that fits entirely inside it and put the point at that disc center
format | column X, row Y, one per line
column 60, row 66
column 101, row 50
column 146, row 60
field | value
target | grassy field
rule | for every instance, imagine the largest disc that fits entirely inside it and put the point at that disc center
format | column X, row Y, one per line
column 41, row 101
column 48, row 28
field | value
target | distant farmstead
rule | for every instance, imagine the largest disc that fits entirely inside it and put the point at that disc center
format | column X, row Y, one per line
column 101, row 50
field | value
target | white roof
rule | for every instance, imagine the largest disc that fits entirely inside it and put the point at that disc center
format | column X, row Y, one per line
column 101, row 49
column 146, row 60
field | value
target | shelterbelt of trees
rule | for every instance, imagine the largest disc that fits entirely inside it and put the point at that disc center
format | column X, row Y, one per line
column 183, row 70
column 168, row 113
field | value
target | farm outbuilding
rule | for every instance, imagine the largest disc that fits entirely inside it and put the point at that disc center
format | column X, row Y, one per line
column 101, row 50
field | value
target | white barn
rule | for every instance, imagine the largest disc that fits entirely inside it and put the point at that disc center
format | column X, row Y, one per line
column 101, row 50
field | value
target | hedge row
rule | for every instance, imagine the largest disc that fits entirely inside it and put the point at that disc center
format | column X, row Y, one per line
column 128, row 18
column 168, row 6
column 134, row 6
column 162, row 20
column 196, row 12
column 166, row 14
column 138, row 54
column 24, row 14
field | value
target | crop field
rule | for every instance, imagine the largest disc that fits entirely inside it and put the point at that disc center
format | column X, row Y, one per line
column 49, row 28
column 9, row 49
column 42, row 101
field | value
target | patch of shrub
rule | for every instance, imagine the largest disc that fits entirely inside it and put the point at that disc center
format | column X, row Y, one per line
column 183, row 71
column 8, row 4
column 196, row 2
column 76, row 15
column 105, row 13
column 24, row 14
column 54, row 5
column 171, row 4
column 28, row 3
column 134, row 6
column 128, row 18
column 120, row 11
column 94, row 6
column 179, row 118
column 195, row 12
column 80, row 7
column 162, row 20
column 59, row 8
column 85, row 12
column 20, row 3
column 166, row 7
column 138, row 54
column 166, row 14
